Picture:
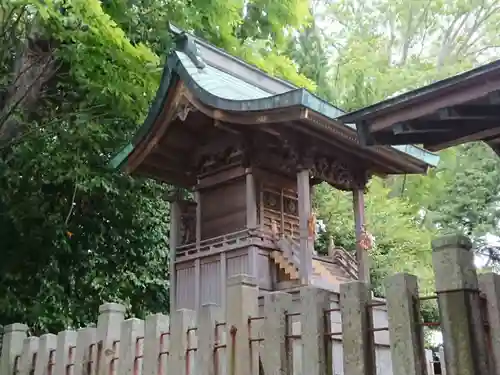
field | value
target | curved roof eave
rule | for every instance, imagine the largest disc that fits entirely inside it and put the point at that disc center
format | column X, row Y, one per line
column 175, row 66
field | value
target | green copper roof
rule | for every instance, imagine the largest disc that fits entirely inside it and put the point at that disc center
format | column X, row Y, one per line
column 227, row 83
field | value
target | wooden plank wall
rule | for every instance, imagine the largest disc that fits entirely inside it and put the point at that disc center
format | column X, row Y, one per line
column 223, row 208
column 212, row 272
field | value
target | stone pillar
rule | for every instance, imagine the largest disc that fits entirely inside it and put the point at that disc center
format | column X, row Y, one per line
column 65, row 354
column 275, row 354
column 306, row 245
column 405, row 332
column 86, row 351
column 357, row 324
column 179, row 362
column 45, row 358
column 30, row 348
column 442, row 361
column 12, row 346
column 175, row 240
column 208, row 317
column 489, row 284
column 242, row 303
column 111, row 316
column 459, row 305
column 156, row 340
column 362, row 256
column 429, row 362
column 316, row 347
column 131, row 346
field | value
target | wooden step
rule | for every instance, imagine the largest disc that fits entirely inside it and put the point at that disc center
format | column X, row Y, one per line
column 285, row 264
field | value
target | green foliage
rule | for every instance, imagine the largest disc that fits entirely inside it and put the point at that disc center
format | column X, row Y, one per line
column 74, row 233
column 72, row 229
column 400, row 245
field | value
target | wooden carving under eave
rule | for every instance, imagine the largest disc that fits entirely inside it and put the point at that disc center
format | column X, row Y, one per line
column 188, row 221
column 219, row 159
column 183, row 110
column 323, row 167
column 338, row 173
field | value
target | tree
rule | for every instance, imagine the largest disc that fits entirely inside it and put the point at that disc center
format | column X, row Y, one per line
column 76, row 234
column 72, row 229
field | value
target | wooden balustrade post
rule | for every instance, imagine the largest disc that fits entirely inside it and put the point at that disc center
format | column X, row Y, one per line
column 12, row 347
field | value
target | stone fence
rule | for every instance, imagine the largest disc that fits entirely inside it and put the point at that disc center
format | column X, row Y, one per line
column 284, row 336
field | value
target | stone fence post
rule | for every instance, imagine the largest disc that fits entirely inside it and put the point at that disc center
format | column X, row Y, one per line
column 357, row 329
column 12, row 346
column 242, row 303
column 405, row 332
column 460, row 306
column 489, row 284
column 316, row 348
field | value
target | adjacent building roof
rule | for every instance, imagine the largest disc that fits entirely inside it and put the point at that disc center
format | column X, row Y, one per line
column 224, row 83
column 449, row 112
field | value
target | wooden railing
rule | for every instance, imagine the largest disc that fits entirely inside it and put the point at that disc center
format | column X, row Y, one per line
column 341, row 257
column 227, row 240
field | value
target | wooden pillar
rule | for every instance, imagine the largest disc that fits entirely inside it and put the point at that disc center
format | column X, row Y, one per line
column 304, row 195
column 251, row 200
column 251, row 219
column 362, row 255
column 198, row 218
column 197, row 262
column 175, row 240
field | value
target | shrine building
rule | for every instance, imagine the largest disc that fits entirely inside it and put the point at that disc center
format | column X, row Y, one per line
column 244, row 151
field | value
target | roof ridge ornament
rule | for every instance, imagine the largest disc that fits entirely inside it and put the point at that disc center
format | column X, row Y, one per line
column 185, row 42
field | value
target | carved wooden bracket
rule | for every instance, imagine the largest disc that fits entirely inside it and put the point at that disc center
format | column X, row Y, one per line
column 183, row 111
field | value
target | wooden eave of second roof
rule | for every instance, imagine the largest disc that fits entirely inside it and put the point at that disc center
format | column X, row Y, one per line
column 459, row 109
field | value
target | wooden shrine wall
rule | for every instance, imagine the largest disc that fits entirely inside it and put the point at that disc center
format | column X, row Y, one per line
column 223, row 208
column 279, row 204
column 214, row 271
